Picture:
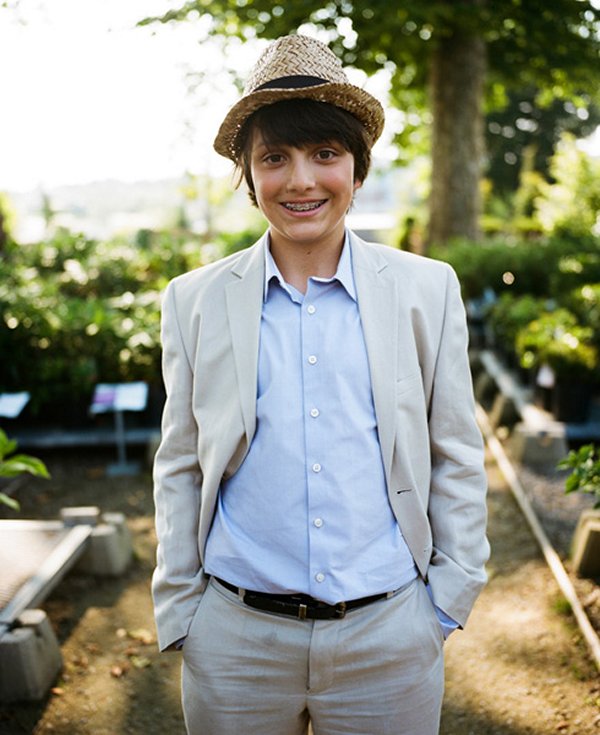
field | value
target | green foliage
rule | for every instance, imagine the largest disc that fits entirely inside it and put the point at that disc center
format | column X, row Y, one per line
column 233, row 242
column 572, row 355
column 585, row 303
column 522, row 267
column 572, row 202
column 7, row 222
column 558, row 340
column 510, row 314
column 523, row 135
column 585, row 476
column 15, row 465
column 534, row 340
column 574, row 270
column 75, row 312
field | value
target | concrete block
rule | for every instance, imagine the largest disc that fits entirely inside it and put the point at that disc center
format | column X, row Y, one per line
column 539, row 447
column 30, row 658
column 85, row 515
column 586, row 545
column 503, row 412
column 109, row 550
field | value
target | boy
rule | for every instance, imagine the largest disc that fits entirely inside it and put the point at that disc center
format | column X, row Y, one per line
column 320, row 489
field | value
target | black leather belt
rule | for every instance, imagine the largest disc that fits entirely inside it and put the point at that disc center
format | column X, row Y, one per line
column 299, row 606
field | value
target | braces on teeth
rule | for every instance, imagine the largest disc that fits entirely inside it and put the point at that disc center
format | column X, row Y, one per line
column 303, row 207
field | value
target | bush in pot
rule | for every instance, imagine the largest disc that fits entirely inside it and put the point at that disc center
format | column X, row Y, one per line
column 533, row 342
column 509, row 315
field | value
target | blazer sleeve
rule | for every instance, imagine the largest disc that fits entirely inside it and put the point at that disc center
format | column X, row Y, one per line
column 457, row 501
column 178, row 582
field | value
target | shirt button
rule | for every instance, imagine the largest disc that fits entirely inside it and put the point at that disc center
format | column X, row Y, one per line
column 316, row 467
column 318, row 522
column 314, row 412
column 312, row 359
column 311, row 309
column 320, row 577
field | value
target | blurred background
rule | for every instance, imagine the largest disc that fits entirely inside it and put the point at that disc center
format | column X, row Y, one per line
column 109, row 185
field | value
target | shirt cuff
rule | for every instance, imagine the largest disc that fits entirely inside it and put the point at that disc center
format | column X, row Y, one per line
column 447, row 624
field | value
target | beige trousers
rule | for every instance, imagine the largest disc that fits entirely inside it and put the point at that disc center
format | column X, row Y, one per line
column 378, row 670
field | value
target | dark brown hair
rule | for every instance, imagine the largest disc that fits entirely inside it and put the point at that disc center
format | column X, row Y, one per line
column 299, row 122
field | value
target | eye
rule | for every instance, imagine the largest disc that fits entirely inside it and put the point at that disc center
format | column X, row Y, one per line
column 326, row 154
column 273, row 158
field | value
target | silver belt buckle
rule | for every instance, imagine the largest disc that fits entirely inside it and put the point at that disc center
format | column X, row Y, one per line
column 302, row 610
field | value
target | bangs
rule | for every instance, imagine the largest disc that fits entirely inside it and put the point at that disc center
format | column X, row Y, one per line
column 302, row 122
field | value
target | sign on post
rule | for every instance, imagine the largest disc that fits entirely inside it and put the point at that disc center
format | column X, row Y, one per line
column 117, row 398
column 11, row 404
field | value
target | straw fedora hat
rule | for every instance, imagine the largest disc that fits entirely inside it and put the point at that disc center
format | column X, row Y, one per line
column 292, row 67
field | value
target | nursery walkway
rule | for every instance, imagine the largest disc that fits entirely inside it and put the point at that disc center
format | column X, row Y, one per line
column 520, row 667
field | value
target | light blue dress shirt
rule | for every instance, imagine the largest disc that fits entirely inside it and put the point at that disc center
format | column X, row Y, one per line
column 308, row 509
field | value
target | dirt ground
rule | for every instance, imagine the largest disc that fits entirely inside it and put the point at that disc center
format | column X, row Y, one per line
column 519, row 668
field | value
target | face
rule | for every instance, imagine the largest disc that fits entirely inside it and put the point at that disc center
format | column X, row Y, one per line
column 304, row 192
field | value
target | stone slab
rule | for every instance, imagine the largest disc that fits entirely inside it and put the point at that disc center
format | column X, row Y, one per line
column 30, row 658
column 586, row 545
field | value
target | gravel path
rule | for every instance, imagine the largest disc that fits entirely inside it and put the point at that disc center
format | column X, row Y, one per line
column 520, row 666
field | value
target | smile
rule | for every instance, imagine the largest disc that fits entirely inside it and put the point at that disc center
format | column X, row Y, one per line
column 303, row 206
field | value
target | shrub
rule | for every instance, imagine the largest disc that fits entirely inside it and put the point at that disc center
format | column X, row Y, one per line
column 522, row 267
column 532, row 341
column 76, row 312
column 510, row 314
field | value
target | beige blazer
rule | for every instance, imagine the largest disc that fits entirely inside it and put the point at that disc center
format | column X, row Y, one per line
column 415, row 332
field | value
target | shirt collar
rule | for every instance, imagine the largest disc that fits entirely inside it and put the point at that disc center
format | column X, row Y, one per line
column 344, row 274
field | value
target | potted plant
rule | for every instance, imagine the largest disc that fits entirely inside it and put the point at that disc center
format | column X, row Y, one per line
column 532, row 342
column 584, row 464
column 558, row 342
column 585, row 476
column 15, row 465
column 508, row 316
column 574, row 361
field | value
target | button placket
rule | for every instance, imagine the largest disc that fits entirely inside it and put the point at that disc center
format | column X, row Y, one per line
column 313, row 388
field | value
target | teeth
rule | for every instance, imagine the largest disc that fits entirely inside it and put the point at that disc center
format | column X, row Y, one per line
column 303, row 206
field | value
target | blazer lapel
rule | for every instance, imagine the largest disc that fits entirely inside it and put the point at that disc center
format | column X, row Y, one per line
column 244, row 307
column 379, row 312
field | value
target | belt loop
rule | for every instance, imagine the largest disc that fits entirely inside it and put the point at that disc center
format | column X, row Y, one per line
column 241, row 594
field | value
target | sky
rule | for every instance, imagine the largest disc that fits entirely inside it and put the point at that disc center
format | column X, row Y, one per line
column 87, row 96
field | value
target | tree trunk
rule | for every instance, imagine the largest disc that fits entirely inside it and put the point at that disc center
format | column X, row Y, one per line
column 456, row 87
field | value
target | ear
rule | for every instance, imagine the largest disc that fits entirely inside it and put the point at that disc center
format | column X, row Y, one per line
column 357, row 184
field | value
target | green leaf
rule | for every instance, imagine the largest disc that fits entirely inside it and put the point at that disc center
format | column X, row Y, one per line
column 21, row 463
column 585, row 477
column 10, row 502
column 7, row 446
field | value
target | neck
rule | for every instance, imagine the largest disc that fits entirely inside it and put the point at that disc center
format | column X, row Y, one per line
column 297, row 262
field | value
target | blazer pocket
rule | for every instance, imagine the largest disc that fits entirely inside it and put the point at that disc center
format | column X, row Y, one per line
column 407, row 383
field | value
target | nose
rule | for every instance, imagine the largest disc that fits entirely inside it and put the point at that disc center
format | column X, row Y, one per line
column 301, row 175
